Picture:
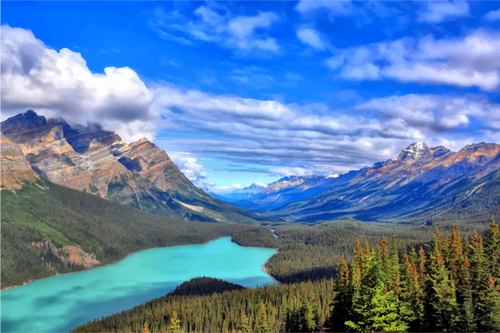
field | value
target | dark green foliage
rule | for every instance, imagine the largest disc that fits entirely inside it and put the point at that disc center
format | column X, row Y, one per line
column 424, row 296
column 270, row 308
column 377, row 293
column 45, row 211
column 313, row 252
column 202, row 286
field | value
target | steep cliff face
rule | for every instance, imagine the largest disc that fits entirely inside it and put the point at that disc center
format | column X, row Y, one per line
column 15, row 168
column 96, row 161
column 145, row 158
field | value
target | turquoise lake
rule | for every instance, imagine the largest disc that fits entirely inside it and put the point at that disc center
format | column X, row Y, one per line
column 61, row 303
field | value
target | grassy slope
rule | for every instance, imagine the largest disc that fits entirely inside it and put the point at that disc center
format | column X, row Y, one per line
column 43, row 210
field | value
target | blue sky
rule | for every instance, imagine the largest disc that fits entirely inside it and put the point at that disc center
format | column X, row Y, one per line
column 238, row 92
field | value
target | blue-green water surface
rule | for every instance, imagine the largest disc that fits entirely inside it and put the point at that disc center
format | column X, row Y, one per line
column 61, row 303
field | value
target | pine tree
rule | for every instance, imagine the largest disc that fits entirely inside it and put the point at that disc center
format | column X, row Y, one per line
column 441, row 307
column 244, row 325
column 376, row 306
column 455, row 257
column 468, row 319
column 343, row 298
column 262, row 325
column 306, row 315
column 175, row 324
column 492, row 249
column 489, row 321
column 145, row 328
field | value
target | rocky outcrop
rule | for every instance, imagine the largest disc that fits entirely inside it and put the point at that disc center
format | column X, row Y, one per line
column 68, row 254
column 15, row 168
column 145, row 158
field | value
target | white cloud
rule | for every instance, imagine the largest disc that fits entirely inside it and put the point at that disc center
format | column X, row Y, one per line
column 299, row 141
column 291, row 172
column 432, row 113
column 493, row 15
column 52, row 82
column 468, row 61
column 188, row 165
column 287, row 139
column 311, row 37
column 336, row 8
column 235, row 32
column 226, row 189
column 440, row 11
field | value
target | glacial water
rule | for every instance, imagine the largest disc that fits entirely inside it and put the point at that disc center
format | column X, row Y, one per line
column 61, row 303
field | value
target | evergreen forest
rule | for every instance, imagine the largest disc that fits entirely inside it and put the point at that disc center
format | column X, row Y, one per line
column 449, row 283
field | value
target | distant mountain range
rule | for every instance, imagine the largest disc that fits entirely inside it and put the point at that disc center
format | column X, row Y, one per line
column 237, row 194
column 421, row 185
column 92, row 160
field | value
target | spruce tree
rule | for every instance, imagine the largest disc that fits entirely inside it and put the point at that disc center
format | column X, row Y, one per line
column 307, row 323
column 262, row 325
column 244, row 325
column 489, row 321
column 342, row 302
column 441, row 310
column 175, row 324
column 375, row 305
column 492, row 250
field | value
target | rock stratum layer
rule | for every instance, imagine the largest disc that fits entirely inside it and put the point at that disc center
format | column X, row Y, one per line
column 15, row 168
column 96, row 161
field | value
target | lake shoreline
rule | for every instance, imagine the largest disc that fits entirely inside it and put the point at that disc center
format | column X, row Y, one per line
column 112, row 263
column 264, row 269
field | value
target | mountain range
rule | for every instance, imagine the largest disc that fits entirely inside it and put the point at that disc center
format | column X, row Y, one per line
column 96, row 161
column 421, row 184
column 238, row 194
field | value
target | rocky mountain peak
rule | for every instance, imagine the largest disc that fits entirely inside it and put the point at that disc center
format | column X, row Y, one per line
column 23, row 121
column 414, row 151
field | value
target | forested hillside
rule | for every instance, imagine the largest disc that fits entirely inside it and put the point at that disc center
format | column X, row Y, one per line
column 47, row 229
column 272, row 308
column 313, row 252
column 202, row 286
column 452, row 284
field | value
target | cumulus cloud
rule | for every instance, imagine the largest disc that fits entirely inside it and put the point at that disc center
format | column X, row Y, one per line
column 468, row 61
column 60, row 83
column 440, row 11
column 493, row 15
column 190, row 167
column 282, row 139
column 242, row 33
column 311, row 37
